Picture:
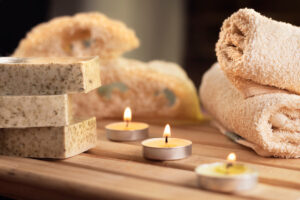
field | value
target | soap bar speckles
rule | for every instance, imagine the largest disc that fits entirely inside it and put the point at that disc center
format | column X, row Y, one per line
column 34, row 111
column 53, row 142
column 48, row 76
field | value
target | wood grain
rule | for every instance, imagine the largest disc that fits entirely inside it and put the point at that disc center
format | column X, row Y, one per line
column 170, row 175
column 114, row 170
column 205, row 135
column 219, row 148
column 90, row 184
column 268, row 174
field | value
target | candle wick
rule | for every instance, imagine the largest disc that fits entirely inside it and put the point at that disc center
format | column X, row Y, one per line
column 228, row 165
column 166, row 141
column 127, row 123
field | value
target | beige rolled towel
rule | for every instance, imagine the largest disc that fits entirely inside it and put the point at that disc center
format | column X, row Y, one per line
column 255, row 50
column 269, row 122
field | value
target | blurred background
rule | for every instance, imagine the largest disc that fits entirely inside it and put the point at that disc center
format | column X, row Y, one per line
column 182, row 31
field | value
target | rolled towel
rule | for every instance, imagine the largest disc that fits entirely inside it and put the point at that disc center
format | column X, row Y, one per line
column 269, row 122
column 255, row 50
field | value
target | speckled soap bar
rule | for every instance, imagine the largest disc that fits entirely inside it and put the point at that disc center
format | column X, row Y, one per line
column 34, row 111
column 53, row 142
column 48, row 76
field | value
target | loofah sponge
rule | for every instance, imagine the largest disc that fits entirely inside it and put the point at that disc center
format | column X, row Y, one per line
column 156, row 89
column 81, row 35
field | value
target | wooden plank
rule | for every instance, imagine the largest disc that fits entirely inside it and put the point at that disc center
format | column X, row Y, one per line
column 170, row 175
column 272, row 192
column 16, row 191
column 118, row 170
column 268, row 174
column 201, row 134
column 79, row 183
column 246, row 156
column 219, row 149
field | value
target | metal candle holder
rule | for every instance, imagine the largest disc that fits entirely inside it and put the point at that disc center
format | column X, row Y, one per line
column 226, row 183
column 163, row 153
column 127, row 135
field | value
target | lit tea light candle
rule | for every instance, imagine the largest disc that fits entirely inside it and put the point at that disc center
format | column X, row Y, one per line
column 127, row 130
column 166, row 148
column 226, row 177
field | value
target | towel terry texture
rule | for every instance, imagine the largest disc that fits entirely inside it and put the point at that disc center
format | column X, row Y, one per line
column 254, row 90
column 270, row 121
column 259, row 55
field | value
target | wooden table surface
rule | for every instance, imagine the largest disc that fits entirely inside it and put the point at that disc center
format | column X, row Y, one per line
column 118, row 171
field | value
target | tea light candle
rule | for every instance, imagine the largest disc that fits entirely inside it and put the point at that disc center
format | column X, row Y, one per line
column 127, row 130
column 226, row 177
column 166, row 148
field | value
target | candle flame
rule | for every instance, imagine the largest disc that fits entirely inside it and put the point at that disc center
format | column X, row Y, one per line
column 167, row 131
column 127, row 114
column 231, row 157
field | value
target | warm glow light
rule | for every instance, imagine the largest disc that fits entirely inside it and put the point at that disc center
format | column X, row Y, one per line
column 127, row 114
column 231, row 157
column 167, row 131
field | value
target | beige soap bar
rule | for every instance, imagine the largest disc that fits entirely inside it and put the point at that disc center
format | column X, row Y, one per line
column 34, row 111
column 47, row 76
column 53, row 142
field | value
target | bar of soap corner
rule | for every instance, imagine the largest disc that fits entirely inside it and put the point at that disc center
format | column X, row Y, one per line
column 34, row 111
column 51, row 142
column 48, row 76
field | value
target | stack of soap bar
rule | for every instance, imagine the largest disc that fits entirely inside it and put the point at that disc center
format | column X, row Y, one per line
column 46, row 76
column 34, row 111
column 35, row 115
column 49, row 142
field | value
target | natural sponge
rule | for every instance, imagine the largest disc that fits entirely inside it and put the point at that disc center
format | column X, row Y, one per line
column 156, row 89
column 84, row 34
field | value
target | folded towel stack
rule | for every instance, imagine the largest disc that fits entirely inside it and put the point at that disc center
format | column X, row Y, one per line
column 254, row 90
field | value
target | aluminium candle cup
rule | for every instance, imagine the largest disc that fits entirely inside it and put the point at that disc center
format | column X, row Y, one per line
column 166, row 153
column 118, row 132
column 225, row 183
